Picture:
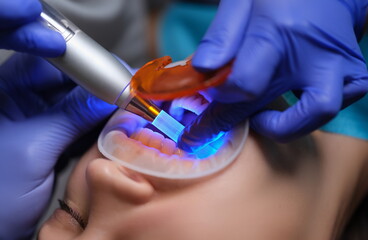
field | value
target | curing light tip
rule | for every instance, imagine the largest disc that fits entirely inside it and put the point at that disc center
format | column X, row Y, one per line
column 168, row 125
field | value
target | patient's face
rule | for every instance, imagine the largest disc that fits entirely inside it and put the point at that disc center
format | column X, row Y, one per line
column 246, row 200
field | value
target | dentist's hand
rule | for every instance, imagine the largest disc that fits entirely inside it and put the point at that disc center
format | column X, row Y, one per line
column 20, row 30
column 41, row 113
column 309, row 46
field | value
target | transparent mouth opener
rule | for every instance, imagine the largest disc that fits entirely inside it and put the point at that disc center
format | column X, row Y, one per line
column 162, row 80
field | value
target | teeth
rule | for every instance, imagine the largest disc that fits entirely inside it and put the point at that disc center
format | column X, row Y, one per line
column 161, row 158
column 179, row 152
column 144, row 135
column 196, row 104
column 168, row 146
column 156, row 140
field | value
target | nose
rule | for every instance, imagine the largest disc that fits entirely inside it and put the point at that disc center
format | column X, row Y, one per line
column 110, row 184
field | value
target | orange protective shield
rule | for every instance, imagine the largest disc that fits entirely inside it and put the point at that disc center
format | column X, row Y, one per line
column 154, row 81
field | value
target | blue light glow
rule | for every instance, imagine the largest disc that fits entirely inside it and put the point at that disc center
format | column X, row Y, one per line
column 172, row 128
column 168, row 125
column 210, row 148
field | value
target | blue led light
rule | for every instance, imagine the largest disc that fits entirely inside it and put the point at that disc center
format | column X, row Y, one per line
column 172, row 128
column 210, row 148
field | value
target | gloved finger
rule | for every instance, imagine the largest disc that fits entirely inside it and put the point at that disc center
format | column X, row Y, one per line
column 355, row 90
column 356, row 84
column 54, row 94
column 34, row 38
column 14, row 13
column 33, row 82
column 81, row 111
column 218, row 117
column 224, row 36
column 254, row 66
column 317, row 105
column 31, row 72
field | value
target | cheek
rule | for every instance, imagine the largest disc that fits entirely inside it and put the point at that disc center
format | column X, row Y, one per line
column 77, row 189
column 178, row 216
column 60, row 226
column 77, row 192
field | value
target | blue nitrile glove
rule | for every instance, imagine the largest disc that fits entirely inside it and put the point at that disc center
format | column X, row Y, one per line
column 41, row 113
column 305, row 45
column 20, row 30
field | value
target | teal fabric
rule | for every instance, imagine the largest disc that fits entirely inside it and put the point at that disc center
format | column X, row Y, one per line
column 182, row 28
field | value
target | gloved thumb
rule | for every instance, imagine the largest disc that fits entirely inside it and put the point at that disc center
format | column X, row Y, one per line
column 223, row 38
column 217, row 118
column 356, row 83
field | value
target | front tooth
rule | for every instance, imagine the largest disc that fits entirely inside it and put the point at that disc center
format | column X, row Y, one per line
column 168, row 146
column 179, row 152
column 135, row 134
column 144, row 135
column 155, row 140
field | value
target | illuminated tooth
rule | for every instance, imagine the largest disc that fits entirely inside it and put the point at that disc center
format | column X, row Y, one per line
column 168, row 146
column 162, row 158
column 155, row 140
column 176, row 109
column 144, row 135
column 135, row 134
column 179, row 152
column 198, row 107
column 130, row 148
column 196, row 104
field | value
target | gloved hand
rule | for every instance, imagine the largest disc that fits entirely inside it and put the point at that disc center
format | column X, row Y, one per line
column 41, row 113
column 309, row 46
column 20, row 30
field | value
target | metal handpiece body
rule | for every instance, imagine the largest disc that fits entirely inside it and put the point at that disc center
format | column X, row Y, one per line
column 102, row 74
column 87, row 63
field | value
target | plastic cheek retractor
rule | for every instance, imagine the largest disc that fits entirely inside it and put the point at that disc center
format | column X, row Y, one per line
column 161, row 79
column 117, row 142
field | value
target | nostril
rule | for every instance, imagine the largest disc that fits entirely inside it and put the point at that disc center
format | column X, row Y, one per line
column 130, row 174
column 111, row 182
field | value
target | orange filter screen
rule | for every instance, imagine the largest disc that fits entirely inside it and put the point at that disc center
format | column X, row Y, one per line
column 156, row 81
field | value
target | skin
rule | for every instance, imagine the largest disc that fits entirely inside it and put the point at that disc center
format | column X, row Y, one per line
column 305, row 190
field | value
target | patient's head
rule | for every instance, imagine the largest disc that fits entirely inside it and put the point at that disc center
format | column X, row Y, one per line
column 251, row 198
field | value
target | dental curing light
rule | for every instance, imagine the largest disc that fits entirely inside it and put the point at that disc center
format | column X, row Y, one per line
column 116, row 142
column 94, row 68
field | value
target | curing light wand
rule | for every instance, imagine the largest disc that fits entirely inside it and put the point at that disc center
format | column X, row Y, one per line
column 94, row 68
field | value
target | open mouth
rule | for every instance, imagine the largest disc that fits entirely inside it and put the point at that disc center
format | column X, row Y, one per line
column 131, row 141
